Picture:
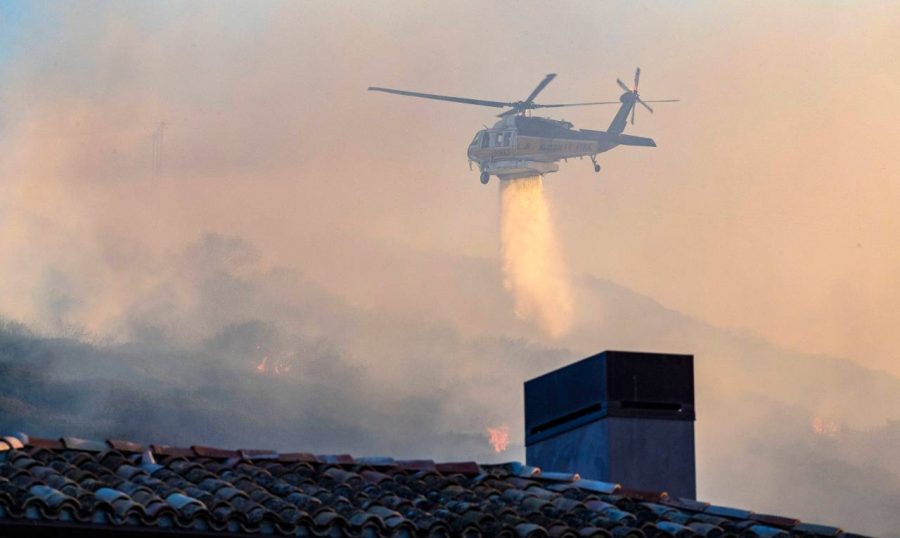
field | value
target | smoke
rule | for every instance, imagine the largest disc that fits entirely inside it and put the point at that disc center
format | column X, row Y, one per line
column 532, row 264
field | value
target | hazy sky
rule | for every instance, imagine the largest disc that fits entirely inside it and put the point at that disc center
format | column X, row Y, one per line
column 768, row 207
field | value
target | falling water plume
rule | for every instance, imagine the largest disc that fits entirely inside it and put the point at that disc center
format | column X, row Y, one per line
column 533, row 268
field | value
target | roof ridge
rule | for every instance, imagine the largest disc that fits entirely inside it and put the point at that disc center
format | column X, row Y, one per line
column 76, row 481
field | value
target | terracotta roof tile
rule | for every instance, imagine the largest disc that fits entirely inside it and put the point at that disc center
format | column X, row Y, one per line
column 166, row 450
column 649, row 496
column 125, row 446
column 87, row 445
column 417, row 465
column 598, row 486
column 258, row 454
column 167, row 489
column 214, row 453
column 45, row 443
column 294, row 457
column 725, row 511
column 461, row 467
column 775, row 521
column 686, row 504
column 344, row 459
column 12, row 441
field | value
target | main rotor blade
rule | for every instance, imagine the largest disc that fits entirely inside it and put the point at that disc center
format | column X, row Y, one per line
column 645, row 105
column 632, row 115
column 578, row 104
column 637, row 78
column 540, row 87
column 623, row 85
column 465, row 100
column 662, row 100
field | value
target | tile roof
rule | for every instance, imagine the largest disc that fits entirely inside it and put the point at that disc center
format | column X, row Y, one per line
column 120, row 487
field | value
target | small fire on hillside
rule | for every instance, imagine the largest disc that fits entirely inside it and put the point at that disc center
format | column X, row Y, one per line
column 825, row 427
column 498, row 438
column 273, row 367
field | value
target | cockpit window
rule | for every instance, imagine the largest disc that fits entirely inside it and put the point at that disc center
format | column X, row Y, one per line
column 476, row 139
column 486, row 139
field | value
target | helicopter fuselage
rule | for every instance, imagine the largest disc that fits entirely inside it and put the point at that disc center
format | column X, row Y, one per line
column 522, row 146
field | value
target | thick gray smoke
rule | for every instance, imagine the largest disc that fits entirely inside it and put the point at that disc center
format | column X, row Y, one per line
column 351, row 379
column 224, row 353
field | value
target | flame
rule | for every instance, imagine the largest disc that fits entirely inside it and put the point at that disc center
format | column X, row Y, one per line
column 274, row 367
column 823, row 426
column 532, row 264
column 498, row 438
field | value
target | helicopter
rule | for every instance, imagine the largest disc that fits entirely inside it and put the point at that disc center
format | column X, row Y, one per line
column 521, row 145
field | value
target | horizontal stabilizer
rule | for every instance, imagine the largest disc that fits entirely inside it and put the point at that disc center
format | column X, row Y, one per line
column 628, row 140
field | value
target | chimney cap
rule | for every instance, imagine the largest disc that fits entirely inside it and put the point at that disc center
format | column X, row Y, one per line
column 609, row 384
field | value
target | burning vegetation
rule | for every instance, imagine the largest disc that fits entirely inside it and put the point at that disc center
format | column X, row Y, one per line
column 269, row 366
column 825, row 427
column 498, row 438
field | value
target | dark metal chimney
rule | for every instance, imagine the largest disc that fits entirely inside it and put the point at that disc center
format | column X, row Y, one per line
column 619, row 417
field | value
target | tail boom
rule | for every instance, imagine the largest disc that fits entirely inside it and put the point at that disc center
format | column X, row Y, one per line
column 628, row 140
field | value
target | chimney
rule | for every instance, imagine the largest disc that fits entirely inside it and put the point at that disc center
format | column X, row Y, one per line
column 618, row 417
